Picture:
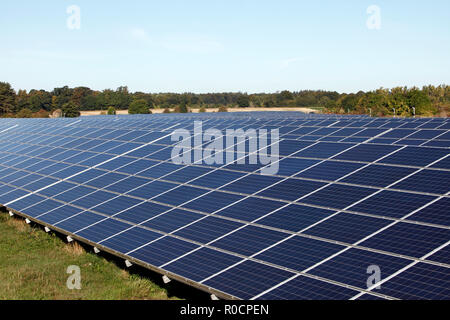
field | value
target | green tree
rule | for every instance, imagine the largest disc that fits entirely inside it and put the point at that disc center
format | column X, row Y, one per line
column 243, row 101
column 22, row 100
column 421, row 102
column 39, row 100
column 70, row 110
column 63, row 95
column 222, row 109
column 122, row 98
column 202, row 109
column 139, row 107
column 166, row 110
column 284, row 96
column 7, row 98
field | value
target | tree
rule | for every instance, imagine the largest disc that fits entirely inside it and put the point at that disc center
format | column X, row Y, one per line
column 111, row 111
column 243, row 101
column 146, row 96
column 202, row 109
column 39, row 100
column 7, row 98
column 122, row 98
column 166, row 110
column 80, row 94
column 70, row 110
column 139, row 107
column 222, row 109
column 63, row 95
column 284, row 96
column 21, row 100
column 421, row 102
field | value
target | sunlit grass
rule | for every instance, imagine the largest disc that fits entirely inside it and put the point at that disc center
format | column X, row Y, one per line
column 33, row 265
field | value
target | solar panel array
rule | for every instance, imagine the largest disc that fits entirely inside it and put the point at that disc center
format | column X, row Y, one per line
column 352, row 193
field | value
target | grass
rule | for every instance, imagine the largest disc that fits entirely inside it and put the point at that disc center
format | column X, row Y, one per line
column 33, row 265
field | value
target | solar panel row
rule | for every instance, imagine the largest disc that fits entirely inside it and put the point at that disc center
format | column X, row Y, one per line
column 351, row 192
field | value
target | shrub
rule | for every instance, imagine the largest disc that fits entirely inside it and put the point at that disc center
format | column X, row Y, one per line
column 111, row 111
column 222, row 109
column 139, row 107
column 25, row 113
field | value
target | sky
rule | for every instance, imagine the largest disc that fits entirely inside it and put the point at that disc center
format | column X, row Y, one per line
column 205, row 46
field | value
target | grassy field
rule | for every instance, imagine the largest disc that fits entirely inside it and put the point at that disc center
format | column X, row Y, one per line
column 33, row 265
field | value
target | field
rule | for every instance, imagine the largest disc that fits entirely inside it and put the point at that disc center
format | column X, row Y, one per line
column 33, row 265
column 307, row 110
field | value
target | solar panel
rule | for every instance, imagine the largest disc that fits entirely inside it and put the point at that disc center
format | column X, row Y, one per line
column 351, row 193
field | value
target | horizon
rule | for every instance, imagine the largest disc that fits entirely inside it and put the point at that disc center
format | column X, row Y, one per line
column 213, row 47
column 233, row 92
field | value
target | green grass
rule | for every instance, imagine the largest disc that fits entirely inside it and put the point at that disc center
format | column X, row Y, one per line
column 33, row 266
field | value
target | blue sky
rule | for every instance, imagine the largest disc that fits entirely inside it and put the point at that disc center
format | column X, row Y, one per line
column 217, row 46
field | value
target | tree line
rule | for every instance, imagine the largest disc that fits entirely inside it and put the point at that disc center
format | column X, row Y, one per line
column 401, row 101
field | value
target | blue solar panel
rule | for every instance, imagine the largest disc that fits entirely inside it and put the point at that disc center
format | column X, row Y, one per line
column 422, row 281
column 430, row 181
column 330, row 170
column 201, row 264
column 208, row 229
column 392, row 204
column 166, row 222
column 366, row 152
column 323, row 150
column 291, row 189
column 304, row 288
column 378, row 175
column 299, row 253
column 436, row 213
column 415, row 156
column 102, row 230
column 326, row 211
column 152, row 189
column 250, row 209
column 180, row 195
column 347, row 227
column 213, row 201
column 251, row 184
column 351, row 267
column 408, row 239
column 79, row 221
column 290, row 166
column 295, row 217
column 249, row 240
column 93, row 199
column 248, row 279
column 338, row 196
column 142, row 212
column 59, row 214
column 162, row 251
